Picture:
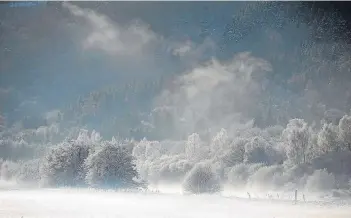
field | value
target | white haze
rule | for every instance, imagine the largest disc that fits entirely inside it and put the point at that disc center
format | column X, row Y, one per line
column 219, row 127
column 90, row 203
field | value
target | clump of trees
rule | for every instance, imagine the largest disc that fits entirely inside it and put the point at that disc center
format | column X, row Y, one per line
column 105, row 165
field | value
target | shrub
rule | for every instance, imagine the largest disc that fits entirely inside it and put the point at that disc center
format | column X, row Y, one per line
column 201, row 179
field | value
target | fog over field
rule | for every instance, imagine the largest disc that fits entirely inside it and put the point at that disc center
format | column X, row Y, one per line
column 175, row 109
column 89, row 203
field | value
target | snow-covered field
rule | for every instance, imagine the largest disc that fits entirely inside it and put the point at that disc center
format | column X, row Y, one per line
column 90, row 203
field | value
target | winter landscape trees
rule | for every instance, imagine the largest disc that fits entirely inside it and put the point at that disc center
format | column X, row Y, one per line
column 301, row 156
column 107, row 164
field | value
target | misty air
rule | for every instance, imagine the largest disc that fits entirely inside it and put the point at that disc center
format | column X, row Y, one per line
column 175, row 109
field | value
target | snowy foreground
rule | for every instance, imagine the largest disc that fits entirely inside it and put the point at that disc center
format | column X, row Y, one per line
column 90, row 203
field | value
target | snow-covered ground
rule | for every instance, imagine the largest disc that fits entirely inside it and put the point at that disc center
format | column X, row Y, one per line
column 91, row 203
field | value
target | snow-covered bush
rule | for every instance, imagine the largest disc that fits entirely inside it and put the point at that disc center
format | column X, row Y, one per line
column 320, row 180
column 111, row 166
column 63, row 165
column 201, row 179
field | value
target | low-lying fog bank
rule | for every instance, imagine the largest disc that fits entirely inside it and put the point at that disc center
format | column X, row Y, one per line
column 76, row 203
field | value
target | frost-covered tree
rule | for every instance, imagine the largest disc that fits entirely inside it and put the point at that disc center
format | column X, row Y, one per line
column 235, row 154
column 63, row 165
column 296, row 137
column 140, row 149
column 201, row 179
column 111, row 166
column 327, row 138
column 195, row 148
column 153, row 150
column 220, row 142
column 345, row 131
column 147, row 150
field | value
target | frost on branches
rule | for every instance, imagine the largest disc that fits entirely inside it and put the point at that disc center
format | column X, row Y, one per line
column 63, row 165
column 201, row 179
column 111, row 166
